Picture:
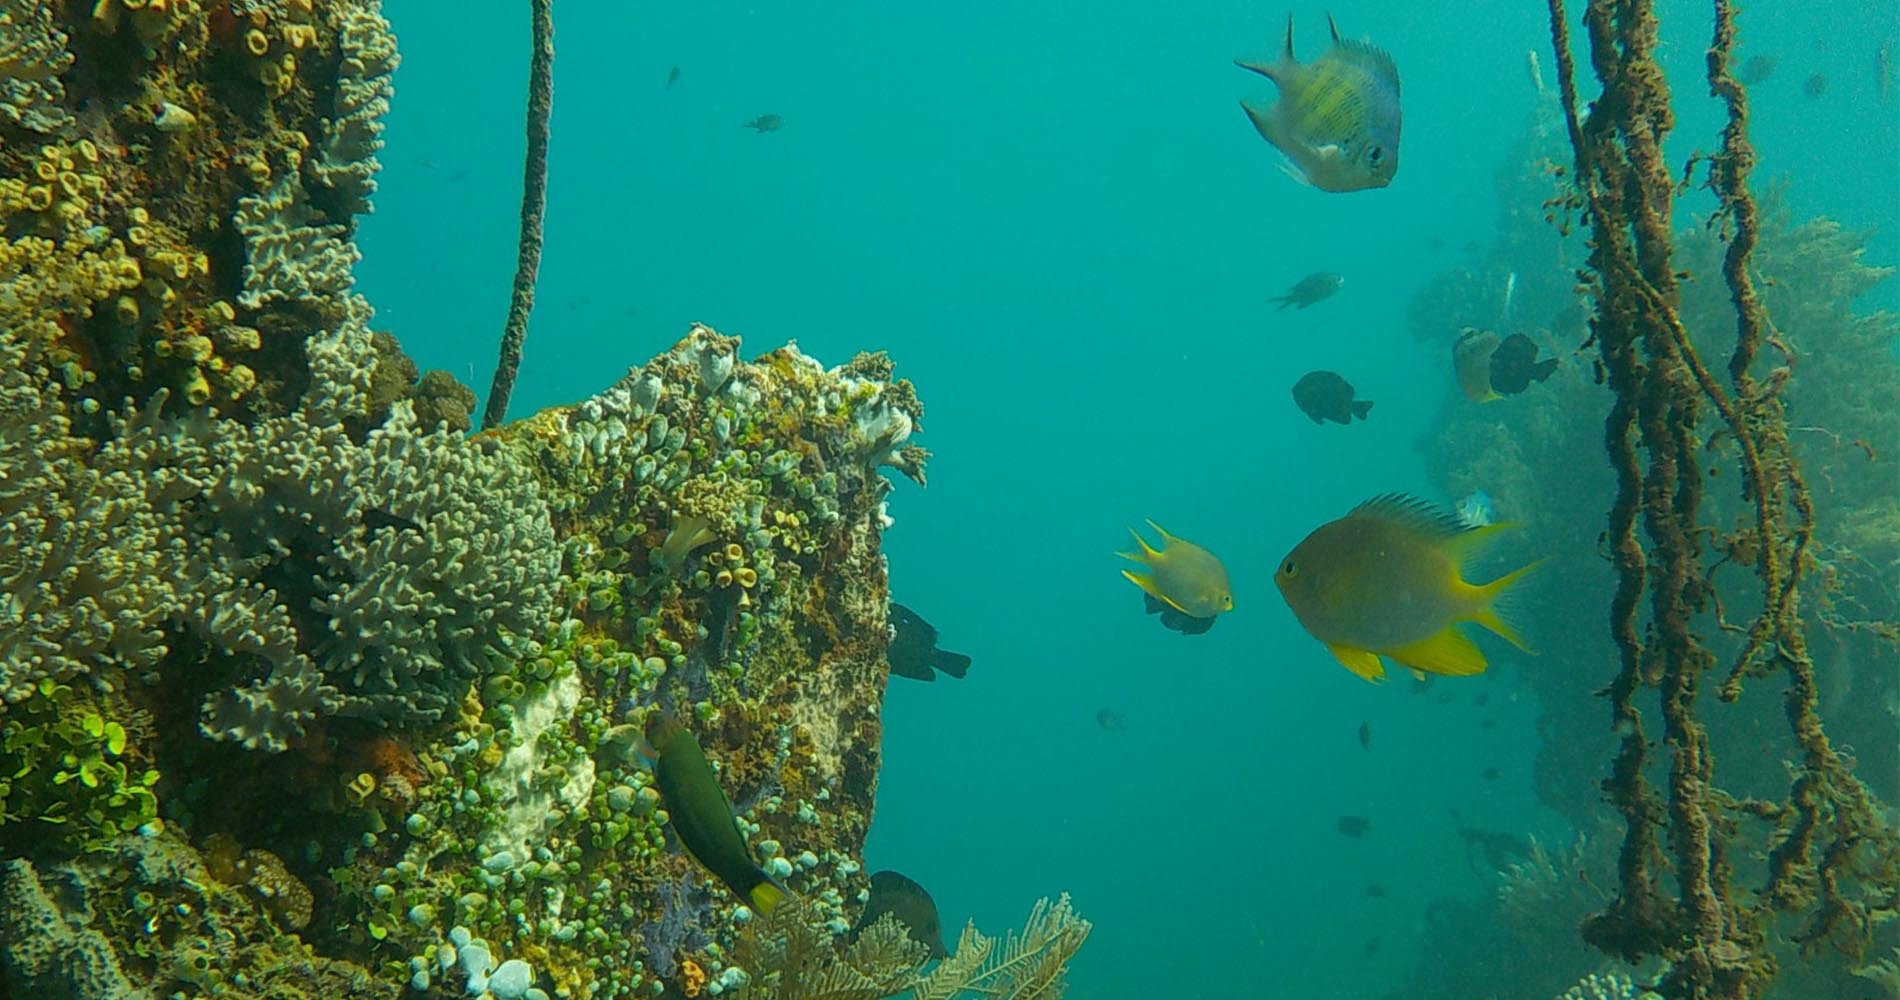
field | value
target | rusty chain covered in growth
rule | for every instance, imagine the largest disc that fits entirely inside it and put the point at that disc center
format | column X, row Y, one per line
column 1830, row 856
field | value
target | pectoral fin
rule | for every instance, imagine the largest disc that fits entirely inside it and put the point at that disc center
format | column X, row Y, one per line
column 1360, row 662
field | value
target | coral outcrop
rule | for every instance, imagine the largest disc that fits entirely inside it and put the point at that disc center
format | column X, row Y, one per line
column 299, row 684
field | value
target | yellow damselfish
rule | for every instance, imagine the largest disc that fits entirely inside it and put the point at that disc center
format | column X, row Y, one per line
column 1386, row 580
column 1182, row 576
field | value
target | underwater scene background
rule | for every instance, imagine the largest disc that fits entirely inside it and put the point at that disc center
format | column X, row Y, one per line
column 318, row 702
column 1056, row 220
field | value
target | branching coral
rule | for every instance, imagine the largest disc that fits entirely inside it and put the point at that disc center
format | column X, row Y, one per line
column 789, row 956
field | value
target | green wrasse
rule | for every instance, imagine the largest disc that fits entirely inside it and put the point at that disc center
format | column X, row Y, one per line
column 1337, row 120
column 701, row 816
column 1387, row 580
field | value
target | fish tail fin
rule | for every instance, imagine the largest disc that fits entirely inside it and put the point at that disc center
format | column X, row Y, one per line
column 1284, row 300
column 954, row 664
column 768, row 895
column 1361, row 407
column 1163, row 532
column 1543, row 369
column 1496, row 608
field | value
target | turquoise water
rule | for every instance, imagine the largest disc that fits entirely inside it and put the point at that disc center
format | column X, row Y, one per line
column 1057, row 220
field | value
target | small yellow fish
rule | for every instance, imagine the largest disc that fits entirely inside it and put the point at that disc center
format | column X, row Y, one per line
column 1386, row 580
column 1471, row 360
column 1337, row 120
column 1182, row 578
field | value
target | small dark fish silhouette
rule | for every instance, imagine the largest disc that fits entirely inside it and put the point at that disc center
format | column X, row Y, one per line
column 1481, row 700
column 1815, row 87
column 1365, row 735
column 1310, row 289
column 1756, row 70
column 375, row 519
column 1487, row 724
column 1372, row 947
column 1490, row 774
column 1354, row 826
column 1514, row 365
column 672, row 77
column 1173, row 617
column 765, row 123
column 1109, row 719
column 1498, row 849
column 906, row 901
column 1323, row 395
column 913, row 651
column 1375, row 891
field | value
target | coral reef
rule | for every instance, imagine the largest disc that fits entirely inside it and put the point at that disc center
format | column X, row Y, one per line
column 301, row 685
column 789, row 955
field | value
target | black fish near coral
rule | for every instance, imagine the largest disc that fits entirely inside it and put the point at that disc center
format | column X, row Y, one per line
column 1323, row 395
column 1515, row 365
column 1310, row 289
column 702, row 817
column 913, row 652
column 765, row 123
column 909, row 904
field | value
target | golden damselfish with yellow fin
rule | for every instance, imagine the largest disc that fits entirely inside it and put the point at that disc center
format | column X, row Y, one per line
column 1387, row 580
column 1185, row 583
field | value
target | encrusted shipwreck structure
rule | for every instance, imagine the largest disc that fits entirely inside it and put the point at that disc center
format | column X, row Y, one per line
column 305, row 692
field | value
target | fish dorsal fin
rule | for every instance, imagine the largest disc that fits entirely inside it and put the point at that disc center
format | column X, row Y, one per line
column 1427, row 519
column 1362, row 53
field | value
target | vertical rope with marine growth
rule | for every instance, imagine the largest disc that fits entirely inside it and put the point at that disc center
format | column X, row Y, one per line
column 1829, row 853
column 534, row 202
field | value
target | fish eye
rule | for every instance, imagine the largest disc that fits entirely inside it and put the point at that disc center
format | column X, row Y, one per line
column 1288, row 569
column 1375, row 154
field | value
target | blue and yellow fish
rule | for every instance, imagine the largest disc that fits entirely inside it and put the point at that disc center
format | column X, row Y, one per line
column 1337, row 119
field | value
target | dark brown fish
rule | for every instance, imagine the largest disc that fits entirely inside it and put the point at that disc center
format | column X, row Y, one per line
column 909, row 904
column 1354, row 826
column 1323, row 395
column 1310, row 289
column 1365, row 735
column 1109, row 719
column 1372, row 946
column 672, row 77
column 1514, row 365
column 765, row 123
column 913, row 651
column 1490, row 774
column 1174, row 618
column 1815, row 87
column 1375, row 891
column 1756, row 70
